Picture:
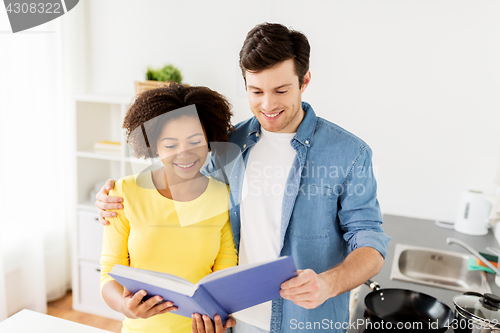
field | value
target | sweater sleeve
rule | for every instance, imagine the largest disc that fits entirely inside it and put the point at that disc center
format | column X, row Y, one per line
column 115, row 239
column 227, row 256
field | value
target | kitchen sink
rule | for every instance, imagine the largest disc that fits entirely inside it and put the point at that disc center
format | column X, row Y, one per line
column 437, row 268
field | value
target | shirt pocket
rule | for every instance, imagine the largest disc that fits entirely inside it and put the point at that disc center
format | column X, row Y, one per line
column 313, row 212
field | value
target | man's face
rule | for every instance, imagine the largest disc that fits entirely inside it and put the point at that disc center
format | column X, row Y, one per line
column 275, row 97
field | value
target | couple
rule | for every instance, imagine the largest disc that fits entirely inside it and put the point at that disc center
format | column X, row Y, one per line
column 285, row 199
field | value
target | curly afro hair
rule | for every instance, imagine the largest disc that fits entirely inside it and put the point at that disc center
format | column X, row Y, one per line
column 214, row 112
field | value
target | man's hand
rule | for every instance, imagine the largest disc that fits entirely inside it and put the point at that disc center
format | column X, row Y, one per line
column 308, row 289
column 203, row 324
column 134, row 308
column 105, row 202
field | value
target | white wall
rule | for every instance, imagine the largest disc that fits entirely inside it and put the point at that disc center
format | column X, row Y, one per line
column 418, row 80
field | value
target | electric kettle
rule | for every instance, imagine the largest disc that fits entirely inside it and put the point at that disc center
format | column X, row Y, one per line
column 473, row 212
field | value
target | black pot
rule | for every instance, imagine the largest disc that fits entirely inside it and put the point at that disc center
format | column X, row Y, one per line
column 406, row 310
column 477, row 313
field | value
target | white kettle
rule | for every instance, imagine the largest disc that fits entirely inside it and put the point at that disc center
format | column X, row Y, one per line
column 473, row 212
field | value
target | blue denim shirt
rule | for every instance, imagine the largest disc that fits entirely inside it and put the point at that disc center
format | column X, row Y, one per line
column 329, row 209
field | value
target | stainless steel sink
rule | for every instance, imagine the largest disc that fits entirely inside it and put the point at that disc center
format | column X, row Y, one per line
column 442, row 269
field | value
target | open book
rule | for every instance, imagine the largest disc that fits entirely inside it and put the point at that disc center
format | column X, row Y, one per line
column 222, row 292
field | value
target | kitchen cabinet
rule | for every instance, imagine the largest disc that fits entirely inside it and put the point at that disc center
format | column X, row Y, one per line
column 97, row 118
column 425, row 233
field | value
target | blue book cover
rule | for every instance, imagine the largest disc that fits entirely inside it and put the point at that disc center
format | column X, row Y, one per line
column 222, row 292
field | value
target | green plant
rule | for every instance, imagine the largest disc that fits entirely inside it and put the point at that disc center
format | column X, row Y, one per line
column 166, row 73
column 151, row 74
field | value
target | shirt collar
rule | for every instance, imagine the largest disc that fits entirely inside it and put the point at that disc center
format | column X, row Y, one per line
column 305, row 130
column 307, row 126
column 254, row 126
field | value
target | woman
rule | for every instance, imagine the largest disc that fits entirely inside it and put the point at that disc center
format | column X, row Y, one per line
column 175, row 220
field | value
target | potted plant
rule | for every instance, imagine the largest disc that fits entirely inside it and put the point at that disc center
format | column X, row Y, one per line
column 159, row 77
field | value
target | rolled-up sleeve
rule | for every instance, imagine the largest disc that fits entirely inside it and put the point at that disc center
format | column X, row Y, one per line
column 359, row 213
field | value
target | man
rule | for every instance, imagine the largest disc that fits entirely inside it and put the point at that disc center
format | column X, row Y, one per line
column 302, row 187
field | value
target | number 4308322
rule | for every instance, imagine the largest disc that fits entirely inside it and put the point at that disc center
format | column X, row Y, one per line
column 25, row 8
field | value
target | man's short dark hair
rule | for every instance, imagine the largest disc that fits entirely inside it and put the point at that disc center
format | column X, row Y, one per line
column 269, row 44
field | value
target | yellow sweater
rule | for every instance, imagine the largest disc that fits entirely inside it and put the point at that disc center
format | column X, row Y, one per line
column 189, row 239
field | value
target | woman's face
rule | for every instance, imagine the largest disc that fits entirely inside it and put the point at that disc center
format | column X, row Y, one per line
column 182, row 147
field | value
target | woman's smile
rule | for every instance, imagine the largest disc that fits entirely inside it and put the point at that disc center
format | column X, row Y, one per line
column 186, row 166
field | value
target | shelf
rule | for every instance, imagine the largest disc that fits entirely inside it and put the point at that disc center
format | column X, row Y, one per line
column 134, row 160
column 100, row 156
column 112, row 157
column 98, row 117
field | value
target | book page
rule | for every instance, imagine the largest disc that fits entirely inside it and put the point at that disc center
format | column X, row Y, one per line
column 233, row 270
column 162, row 280
column 238, row 288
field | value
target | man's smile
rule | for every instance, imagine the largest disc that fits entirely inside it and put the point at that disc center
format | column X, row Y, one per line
column 271, row 115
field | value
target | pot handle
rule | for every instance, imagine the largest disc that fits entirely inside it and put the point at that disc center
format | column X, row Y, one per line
column 491, row 300
column 488, row 299
column 374, row 285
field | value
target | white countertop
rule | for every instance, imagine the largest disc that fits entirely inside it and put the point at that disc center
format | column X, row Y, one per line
column 30, row 321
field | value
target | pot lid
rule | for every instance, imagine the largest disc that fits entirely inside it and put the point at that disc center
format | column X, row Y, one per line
column 481, row 308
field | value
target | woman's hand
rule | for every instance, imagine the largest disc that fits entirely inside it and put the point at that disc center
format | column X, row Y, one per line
column 134, row 308
column 203, row 324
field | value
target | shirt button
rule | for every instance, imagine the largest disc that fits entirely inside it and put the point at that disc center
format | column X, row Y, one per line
column 245, row 145
column 234, row 213
column 257, row 135
column 307, row 142
column 235, row 176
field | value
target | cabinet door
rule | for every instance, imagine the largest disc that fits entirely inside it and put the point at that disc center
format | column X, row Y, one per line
column 90, row 295
column 89, row 236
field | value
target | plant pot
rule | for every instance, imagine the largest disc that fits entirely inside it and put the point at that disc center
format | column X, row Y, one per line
column 141, row 86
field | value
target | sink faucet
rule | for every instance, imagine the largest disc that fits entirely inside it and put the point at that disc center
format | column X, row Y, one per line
column 466, row 246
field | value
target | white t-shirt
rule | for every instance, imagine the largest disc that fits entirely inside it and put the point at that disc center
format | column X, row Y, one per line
column 265, row 179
